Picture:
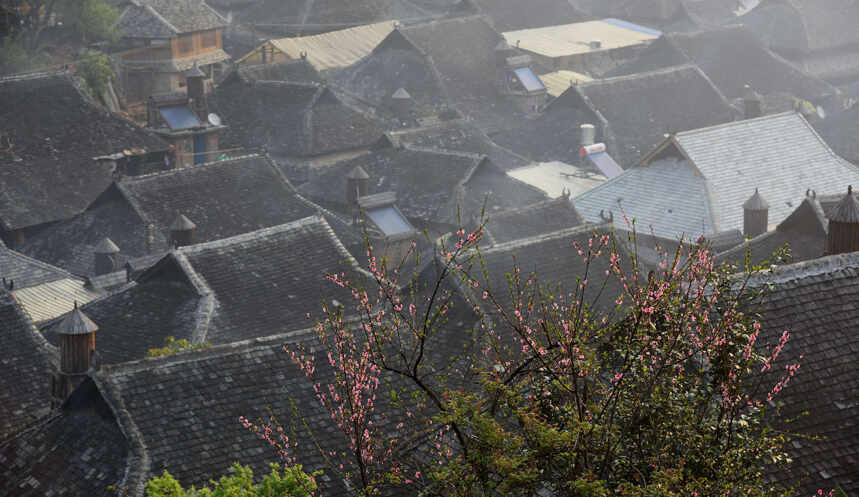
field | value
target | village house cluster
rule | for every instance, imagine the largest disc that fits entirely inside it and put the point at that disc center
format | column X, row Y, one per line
column 247, row 149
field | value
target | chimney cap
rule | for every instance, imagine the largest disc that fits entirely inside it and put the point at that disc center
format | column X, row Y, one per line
column 106, row 246
column 195, row 72
column 358, row 173
column 749, row 93
column 401, row 94
column 847, row 210
column 182, row 223
column 756, row 202
column 76, row 322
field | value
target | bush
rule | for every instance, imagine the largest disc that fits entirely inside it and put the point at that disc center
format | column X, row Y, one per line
column 291, row 482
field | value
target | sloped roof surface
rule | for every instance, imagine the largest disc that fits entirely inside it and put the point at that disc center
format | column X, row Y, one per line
column 555, row 261
column 293, row 71
column 139, row 317
column 222, row 198
column 575, row 38
column 508, row 15
column 779, row 154
column 337, row 13
column 642, row 108
column 336, row 49
column 78, row 451
column 50, row 300
column 667, row 197
column 266, row 282
column 57, row 131
column 806, row 25
column 532, row 220
column 25, row 271
column 425, row 180
column 459, row 136
column 27, row 366
column 732, row 58
column 167, row 18
column 816, row 302
column 291, row 118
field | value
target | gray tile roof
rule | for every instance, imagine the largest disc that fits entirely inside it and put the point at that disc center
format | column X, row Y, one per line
column 641, row 108
column 805, row 25
column 167, row 18
column 78, row 451
column 816, row 301
column 295, row 119
column 780, row 154
column 668, row 197
column 732, row 58
column 531, row 220
column 25, row 271
column 26, row 368
column 137, row 212
column 57, row 131
column 509, row 15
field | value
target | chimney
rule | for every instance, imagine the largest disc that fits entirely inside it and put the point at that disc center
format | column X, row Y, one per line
column 106, row 257
column 588, row 134
column 77, row 351
column 197, row 92
column 182, row 232
column 356, row 185
column 752, row 104
column 595, row 44
column 843, row 235
column 755, row 215
column 401, row 101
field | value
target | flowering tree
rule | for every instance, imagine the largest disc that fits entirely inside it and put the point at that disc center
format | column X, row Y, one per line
column 668, row 392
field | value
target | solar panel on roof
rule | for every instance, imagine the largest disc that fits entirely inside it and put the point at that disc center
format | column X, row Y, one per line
column 389, row 221
column 606, row 164
column 179, row 117
column 528, row 79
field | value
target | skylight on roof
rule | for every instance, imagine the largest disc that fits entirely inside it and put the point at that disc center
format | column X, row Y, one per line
column 390, row 221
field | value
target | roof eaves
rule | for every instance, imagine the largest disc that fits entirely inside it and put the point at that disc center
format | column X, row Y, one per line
column 527, row 242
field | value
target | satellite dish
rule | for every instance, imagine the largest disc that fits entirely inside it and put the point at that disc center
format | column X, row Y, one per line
column 215, row 120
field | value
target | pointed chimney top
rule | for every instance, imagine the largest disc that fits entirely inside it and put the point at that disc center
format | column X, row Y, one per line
column 756, row 202
column 76, row 322
column 358, row 173
column 182, row 223
column 106, row 246
column 195, row 72
column 401, row 94
column 847, row 210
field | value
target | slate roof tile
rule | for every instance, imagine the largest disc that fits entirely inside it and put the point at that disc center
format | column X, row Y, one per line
column 532, row 220
column 27, row 365
column 57, row 131
column 167, row 18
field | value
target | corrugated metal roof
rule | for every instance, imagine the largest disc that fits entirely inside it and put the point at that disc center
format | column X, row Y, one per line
column 571, row 39
column 667, row 197
column 781, row 155
column 50, row 300
column 337, row 48
column 556, row 177
column 560, row 81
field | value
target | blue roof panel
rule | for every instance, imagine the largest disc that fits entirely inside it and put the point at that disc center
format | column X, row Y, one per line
column 389, row 221
column 179, row 117
column 631, row 26
column 528, row 79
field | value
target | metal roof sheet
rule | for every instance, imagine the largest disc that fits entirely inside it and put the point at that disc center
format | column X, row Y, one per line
column 572, row 39
column 558, row 82
column 337, row 48
column 51, row 300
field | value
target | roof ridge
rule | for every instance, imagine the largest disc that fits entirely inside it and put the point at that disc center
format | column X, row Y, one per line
column 736, row 123
column 643, row 75
column 222, row 350
column 441, row 151
column 34, row 75
column 161, row 18
column 37, row 262
column 126, row 180
column 533, row 206
column 252, row 235
column 826, row 265
column 555, row 235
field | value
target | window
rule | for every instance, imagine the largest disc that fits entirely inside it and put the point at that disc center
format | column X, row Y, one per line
column 186, row 44
column 210, row 39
